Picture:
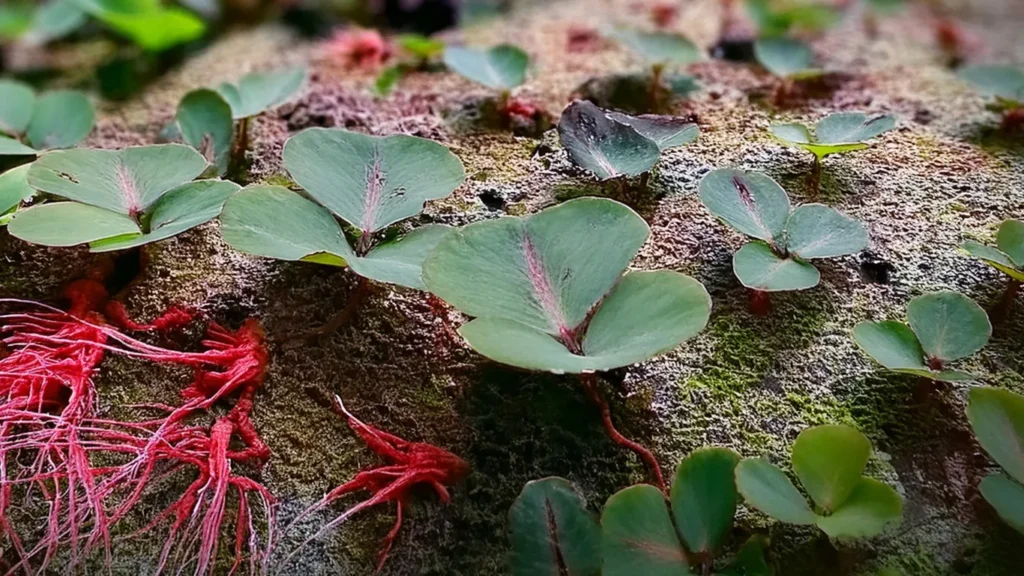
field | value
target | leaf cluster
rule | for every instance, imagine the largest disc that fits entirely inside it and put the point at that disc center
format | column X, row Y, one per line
column 997, row 418
column 1008, row 254
column 1005, row 83
column 33, row 123
column 835, row 133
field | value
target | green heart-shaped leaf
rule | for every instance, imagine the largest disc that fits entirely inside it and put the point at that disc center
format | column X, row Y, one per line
column 11, row 147
column 784, row 57
column 704, row 498
column 767, row 488
column 1004, row 82
column 851, row 127
column 829, row 461
column 750, row 202
column 500, row 68
column 552, row 532
column 817, row 231
column 60, row 119
column 371, row 182
column 14, row 188
column 995, row 258
column 127, row 181
column 665, row 131
column 17, row 100
column 603, row 146
column 258, row 92
column 69, row 224
column 205, row 121
column 1007, row 497
column 1010, row 240
column 870, row 507
column 155, row 29
column 948, row 325
column 639, row 537
column 758, row 267
column 997, row 417
column 892, row 344
column 401, row 261
column 54, row 20
column 750, row 560
column 660, row 47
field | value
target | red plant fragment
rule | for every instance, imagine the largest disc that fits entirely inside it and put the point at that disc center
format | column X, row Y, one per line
column 580, row 40
column 357, row 48
column 409, row 464
column 664, row 14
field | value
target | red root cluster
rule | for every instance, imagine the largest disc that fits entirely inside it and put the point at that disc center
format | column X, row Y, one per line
column 92, row 472
column 409, row 464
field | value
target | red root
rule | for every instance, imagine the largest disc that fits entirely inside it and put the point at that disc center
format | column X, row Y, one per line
column 760, row 302
column 174, row 318
column 410, row 463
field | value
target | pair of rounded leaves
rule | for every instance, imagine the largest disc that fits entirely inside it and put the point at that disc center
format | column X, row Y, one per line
column 543, row 283
column 997, row 417
column 502, row 67
column 119, row 199
column 944, row 326
column 258, row 92
column 659, row 48
column 206, row 123
column 754, row 204
column 786, row 58
column 58, row 119
column 1006, row 83
column 613, row 144
column 1008, row 254
column 829, row 461
column 370, row 182
column 835, row 133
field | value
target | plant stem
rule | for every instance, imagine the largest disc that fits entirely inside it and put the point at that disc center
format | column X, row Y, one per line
column 760, row 303
column 241, row 147
column 645, row 178
column 503, row 100
column 590, row 386
column 815, row 179
column 1003, row 310
column 656, row 72
column 343, row 317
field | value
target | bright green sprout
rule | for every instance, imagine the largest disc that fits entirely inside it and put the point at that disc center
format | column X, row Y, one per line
column 779, row 17
column 423, row 51
column 997, row 417
column 58, row 119
column 148, row 23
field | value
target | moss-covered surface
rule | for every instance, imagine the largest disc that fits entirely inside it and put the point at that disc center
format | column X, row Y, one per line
column 748, row 382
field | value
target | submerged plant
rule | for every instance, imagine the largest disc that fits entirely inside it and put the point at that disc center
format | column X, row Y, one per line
column 834, row 134
column 1007, row 257
column 548, row 292
column 829, row 462
column 613, row 145
column 369, row 182
column 997, row 418
column 1005, row 84
column 660, row 50
column 944, row 327
column 114, row 200
column 785, row 239
column 58, row 119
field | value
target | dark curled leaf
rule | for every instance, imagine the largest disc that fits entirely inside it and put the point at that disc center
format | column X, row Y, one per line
column 603, row 146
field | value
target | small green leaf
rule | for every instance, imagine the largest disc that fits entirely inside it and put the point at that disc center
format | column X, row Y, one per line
column 993, row 257
column 851, row 127
column 54, row 20
column 157, row 29
column 387, row 79
column 603, row 146
column 61, row 119
column 1010, row 240
column 817, row 231
column 783, row 57
column 1004, row 82
column 552, row 532
column 204, row 119
column 767, row 488
column 639, row 537
column 865, row 513
column 420, row 46
column 750, row 202
column 1007, row 497
column 401, row 261
column 11, row 147
column 704, row 498
column 892, row 344
column 665, row 131
column 371, row 182
column 750, row 560
column 14, row 188
column 69, row 224
column 500, row 68
column 258, row 92
column 758, row 267
column 829, row 460
column 949, row 325
column 17, row 100
column 664, row 48
column 997, row 417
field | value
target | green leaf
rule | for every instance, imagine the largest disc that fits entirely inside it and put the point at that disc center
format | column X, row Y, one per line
column 851, row 127
column 11, row 147
column 949, row 325
column 892, row 344
column 258, row 92
column 665, row 131
column 603, row 146
column 17, row 100
column 128, row 181
column 371, row 182
column 387, row 79
column 14, row 188
column 1004, row 82
column 664, row 48
column 997, row 417
column 275, row 222
column 639, row 537
column 866, row 512
column 420, row 46
column 500, row 68
column 1010, row 240
column 552, row 532
column 204, row 119
column 993, row 257
column 14, row 20
column 783, row 56
column 829, row 461
column 758, row 267
column 401, row 261
column 766, row 488
column 817, row 231
column 54, row 20
column 1007, row 497
column 750, row 202
column 750, row 560
column 69, row 224
column 704, row 498
column 157, row 29
column 61, row 119
column 181, row 209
